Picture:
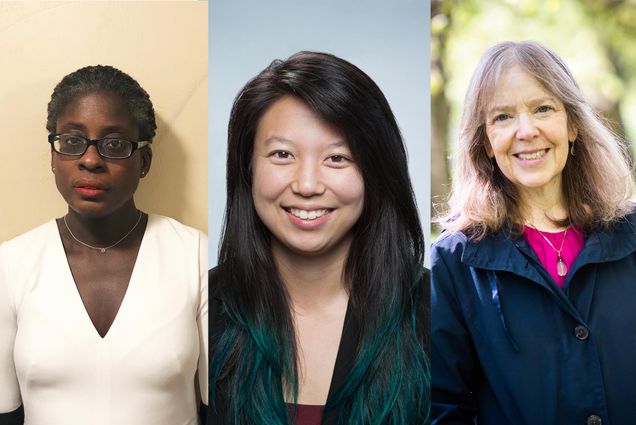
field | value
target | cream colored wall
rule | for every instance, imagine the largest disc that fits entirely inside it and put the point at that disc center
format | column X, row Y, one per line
column 163, row 45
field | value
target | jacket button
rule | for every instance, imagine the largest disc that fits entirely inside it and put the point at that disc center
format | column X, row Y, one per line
column 582, row 333
column 594, row 420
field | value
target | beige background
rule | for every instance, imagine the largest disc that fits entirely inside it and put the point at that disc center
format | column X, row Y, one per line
column 163, row 45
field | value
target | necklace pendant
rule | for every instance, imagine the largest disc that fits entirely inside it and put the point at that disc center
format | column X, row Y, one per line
column 103, row 250
column 562, row 269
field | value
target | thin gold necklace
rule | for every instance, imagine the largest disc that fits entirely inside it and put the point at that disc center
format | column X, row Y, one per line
column 106, row 248
column 562, row 268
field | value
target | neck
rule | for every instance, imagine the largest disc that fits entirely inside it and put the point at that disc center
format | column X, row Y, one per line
column 312, row 282
column 103, row 230
column 540, row 207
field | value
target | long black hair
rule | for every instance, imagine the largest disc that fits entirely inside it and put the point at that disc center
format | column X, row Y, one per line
column 256, row 351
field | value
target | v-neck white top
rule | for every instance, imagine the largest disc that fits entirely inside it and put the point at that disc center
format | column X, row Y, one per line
column 53, row 361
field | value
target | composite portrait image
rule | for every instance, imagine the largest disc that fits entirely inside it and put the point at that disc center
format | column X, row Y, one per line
column 230, row 212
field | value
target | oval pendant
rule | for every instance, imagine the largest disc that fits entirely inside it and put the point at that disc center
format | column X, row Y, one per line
column 562, row 269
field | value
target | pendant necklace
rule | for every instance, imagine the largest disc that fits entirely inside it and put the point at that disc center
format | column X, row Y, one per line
column 106, row 248
column 562, row 268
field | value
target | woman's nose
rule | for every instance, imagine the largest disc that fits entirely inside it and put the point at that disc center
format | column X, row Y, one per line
column 91, row 159
column 526, row 129
column 307, row 180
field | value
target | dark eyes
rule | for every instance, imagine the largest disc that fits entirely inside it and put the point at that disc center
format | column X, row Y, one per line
column 337, row 159
column 281, row 155
column 73, row 141
column 113, row 143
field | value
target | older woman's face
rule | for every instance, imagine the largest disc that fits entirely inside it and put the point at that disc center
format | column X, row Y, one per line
column 306, row 188
column 528, row 133
column 90, row 184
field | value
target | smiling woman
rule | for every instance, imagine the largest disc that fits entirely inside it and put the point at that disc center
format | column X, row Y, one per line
column 307, row 189
column 528, row 135
column 318, row 304
column 533, row 279
column 103, row 312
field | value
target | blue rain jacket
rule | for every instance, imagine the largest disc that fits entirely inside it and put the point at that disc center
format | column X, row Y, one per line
column 511, row 347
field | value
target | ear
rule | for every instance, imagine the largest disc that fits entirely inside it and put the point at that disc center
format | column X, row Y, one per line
column 146, row 161
column 572, row 134
column 52, row 160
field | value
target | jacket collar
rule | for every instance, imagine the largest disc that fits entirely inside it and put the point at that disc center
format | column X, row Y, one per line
column 614, row 243
column 501, row 252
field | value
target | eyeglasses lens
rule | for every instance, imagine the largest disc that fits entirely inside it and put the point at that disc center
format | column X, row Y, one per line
column 114, row 148
column 109, row 148
column 70, row 145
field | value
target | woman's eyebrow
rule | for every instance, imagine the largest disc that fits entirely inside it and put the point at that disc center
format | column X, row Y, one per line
column 279, row 139
column 534, row 101
column 338, row 144
column 106, row 130
column 541, row 99
column 73, row 126
column 115, row 129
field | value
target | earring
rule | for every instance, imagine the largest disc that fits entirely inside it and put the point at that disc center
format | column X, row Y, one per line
column 572, row 149
column 53, row 169
column 143, row 173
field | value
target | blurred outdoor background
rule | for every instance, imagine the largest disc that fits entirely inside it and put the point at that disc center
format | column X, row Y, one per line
column 596, row 39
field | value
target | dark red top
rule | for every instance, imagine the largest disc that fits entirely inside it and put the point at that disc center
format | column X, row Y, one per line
column 306, row 414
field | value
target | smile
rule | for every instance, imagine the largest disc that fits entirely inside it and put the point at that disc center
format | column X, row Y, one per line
column 529, row 156
column 308, row 215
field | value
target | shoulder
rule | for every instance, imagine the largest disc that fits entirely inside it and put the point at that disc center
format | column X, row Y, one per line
column 25, row 255
column 168, row 235
column 493, row 250
column 615, row 242
column 170, row 226
column 28, row 248
column 450, row 244
column 38, row 236
column 629, row 220
column 177, row 253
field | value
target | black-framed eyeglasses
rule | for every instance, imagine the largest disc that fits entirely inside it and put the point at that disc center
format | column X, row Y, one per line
column 108, row 147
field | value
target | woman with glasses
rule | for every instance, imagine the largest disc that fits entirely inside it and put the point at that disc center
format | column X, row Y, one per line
column 533, row 282
column 318, row 304
column 103, row 312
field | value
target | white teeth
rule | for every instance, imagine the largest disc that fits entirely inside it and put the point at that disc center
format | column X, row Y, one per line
column 308, row 215
column 535, row 155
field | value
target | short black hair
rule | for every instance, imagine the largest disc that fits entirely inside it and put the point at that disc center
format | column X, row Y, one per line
column 96, row 78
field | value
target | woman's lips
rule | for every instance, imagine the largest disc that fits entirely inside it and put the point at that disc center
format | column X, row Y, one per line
column 308, row 219
column 89, row 192
column 533, row 155
column 90, row 189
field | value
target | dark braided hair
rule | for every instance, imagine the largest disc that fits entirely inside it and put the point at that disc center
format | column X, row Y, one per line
column 95, row 78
